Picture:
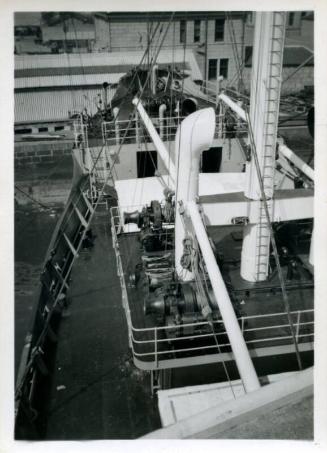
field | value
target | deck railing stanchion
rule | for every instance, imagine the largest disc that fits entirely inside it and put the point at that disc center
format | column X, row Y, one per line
column 298, row 325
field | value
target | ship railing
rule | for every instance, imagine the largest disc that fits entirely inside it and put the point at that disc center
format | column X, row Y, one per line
column 160, row 346
column 155, row 345
column 116, row 132
column 80, row 132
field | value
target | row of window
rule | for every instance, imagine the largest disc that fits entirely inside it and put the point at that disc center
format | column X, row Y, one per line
column 219, row 30
column 40, row 129
column 220, row 27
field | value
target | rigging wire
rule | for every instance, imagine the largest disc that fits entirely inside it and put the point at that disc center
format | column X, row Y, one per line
column 273, row 243
column 267, row 214
column 177, row 158
column 239, row 65
column 34, row 200
column 112, row 167
column 196, row 263
column 81, row 62
column 51, row 310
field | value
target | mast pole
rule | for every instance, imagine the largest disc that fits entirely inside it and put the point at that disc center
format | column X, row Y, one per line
column 267, row 65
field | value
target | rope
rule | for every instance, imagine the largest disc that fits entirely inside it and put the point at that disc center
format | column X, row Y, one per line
column 239, row 65
column 204, row 292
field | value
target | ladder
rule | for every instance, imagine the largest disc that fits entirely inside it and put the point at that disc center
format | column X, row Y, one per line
column 101, row 165
column 271, row 112
column 95, row 160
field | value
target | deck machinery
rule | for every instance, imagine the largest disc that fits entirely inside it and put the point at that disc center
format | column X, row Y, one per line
column 219, row 267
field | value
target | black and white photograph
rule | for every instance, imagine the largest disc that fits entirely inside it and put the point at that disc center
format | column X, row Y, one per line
column 163, row 211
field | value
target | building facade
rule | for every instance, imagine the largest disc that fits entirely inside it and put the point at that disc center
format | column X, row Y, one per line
column 84, row 50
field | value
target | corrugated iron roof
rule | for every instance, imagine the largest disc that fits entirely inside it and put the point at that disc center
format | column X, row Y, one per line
column 78, row 70
column 51, row 106
column 66, row 81
column 27, row 19
column 166, row 56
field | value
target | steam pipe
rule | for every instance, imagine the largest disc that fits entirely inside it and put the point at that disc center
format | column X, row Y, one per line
column 239, row 348
column 194, row 135
column 299, row 163
column 162, row 110
column 231, row 104
column 160, row 147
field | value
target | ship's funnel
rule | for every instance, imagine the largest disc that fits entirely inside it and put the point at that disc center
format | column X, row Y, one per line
column 194, row 135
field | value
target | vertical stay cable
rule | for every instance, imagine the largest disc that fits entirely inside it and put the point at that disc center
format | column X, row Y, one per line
column 177, row 158
column 273, row 243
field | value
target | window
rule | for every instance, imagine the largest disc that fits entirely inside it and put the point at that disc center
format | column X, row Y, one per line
column 219, row 29
column 146, row 163
column 248, row 56
column 59, row 128
column 197, row 30
column 43, row 129
column 23, row 131
column 212, row 70
column 182, row 31
column 291, row 19
column 223, row 68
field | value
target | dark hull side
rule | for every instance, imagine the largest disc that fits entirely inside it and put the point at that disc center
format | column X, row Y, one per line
column 37, row 359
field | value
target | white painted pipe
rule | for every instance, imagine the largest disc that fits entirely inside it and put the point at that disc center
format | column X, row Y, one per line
column 231, row 104
column 162, row 110
column 219, row 79
column 194, row 135
column 137, row 129
column 241, row 354
column 160, row 147
column 311, row 252
column 239, row 103
column 117, row 133
column 154, row 79
column 299, row 163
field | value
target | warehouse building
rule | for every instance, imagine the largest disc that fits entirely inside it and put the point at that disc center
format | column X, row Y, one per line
column 63, row 59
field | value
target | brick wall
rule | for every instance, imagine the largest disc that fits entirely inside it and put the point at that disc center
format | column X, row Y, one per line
column 304, row 77
column 38, row 153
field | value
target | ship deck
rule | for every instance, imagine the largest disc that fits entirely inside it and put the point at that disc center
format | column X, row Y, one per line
column 96, row 391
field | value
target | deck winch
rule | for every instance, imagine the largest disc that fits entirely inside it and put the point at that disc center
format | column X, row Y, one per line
column 179, row 304
column 154, row 222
